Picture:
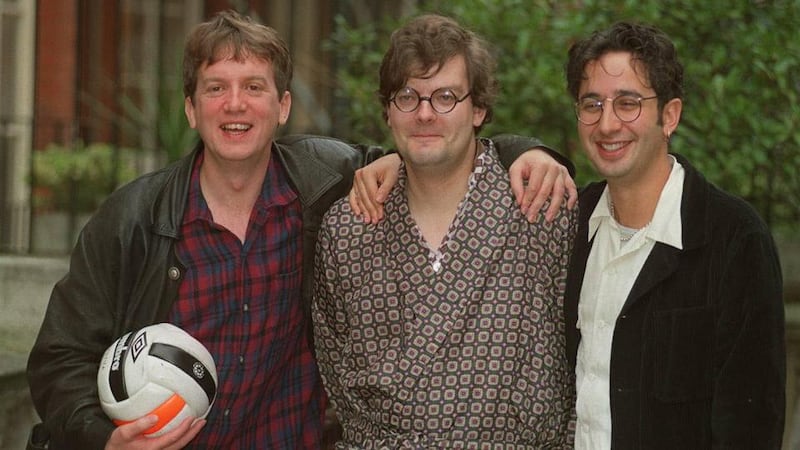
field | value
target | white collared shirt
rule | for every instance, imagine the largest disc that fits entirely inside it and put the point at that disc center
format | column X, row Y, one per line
column 608, row 279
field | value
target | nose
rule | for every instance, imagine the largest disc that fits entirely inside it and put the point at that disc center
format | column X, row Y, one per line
column 608, row 118
column 236, row 100
column 425, row 111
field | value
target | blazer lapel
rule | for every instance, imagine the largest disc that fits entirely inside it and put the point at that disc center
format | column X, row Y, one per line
column 577, row 266
column 660, row 264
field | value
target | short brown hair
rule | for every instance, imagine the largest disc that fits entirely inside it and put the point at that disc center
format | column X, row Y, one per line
column 230, row 34
column 429, row 41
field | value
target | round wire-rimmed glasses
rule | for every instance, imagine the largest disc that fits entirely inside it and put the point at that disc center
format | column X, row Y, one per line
column 442, row 100
column 626, row 107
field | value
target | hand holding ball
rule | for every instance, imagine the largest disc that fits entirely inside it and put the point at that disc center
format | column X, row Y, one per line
column 161, row 370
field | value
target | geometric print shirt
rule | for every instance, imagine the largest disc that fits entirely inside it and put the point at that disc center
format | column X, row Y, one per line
column 462, row 347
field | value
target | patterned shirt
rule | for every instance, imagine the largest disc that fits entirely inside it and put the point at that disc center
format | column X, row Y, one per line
column 243, row 301
column 462, row 347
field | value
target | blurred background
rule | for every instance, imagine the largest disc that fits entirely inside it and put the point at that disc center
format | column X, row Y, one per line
column 91, row 90
column 91, row 96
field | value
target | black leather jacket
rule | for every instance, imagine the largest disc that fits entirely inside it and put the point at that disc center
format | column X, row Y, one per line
column 124, row 275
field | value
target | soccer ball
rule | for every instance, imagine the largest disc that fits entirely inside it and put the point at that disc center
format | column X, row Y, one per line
column 159, row 369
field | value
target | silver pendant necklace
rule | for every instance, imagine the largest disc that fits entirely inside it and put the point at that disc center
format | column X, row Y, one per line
column 625, row 233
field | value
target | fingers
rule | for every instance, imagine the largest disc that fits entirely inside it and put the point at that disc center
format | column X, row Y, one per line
column 125, row 436
column 556, row 199
column 355, row 203
column 518, row 183
column 131, row 436
column 366, row 186
column 535, row 178
column 572, row 189
column 187, row 431
column 371, row 187
column 389, row 180
column 538, row 193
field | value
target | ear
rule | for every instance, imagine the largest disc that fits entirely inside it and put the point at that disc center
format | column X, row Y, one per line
column 286, row 108
column 188, row 109
column 478, row 116
column 671, row 116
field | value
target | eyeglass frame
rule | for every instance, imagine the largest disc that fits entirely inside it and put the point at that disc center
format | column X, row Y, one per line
column 602, row 103
column 429, row 99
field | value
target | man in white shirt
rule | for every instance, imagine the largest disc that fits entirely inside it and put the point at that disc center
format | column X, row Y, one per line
column 674, row 300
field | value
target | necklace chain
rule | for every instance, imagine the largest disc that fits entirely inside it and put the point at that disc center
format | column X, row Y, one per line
column 624, row 234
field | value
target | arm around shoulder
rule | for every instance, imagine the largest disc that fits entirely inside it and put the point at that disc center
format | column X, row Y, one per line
column 511, row 146
column 321, row 146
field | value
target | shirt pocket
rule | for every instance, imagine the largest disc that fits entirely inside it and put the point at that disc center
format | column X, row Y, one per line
column 683, row 347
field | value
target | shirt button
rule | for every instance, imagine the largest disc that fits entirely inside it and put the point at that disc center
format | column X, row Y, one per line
column 246, row 307
column 241, row 359
column 226, row 413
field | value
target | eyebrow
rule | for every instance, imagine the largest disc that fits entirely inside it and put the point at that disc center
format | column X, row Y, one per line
column 616, row 94
column 456, row 89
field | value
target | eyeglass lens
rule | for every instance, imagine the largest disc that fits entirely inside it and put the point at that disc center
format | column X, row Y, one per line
column 442, row 100
column 626, row 107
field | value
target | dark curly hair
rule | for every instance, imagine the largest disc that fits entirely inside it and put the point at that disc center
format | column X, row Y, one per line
column 649, row 46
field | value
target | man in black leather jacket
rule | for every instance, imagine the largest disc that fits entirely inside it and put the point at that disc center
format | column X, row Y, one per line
column 125, row 272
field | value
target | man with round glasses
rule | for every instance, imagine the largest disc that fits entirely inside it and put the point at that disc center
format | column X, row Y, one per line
column 441, row 326
column 674, row 298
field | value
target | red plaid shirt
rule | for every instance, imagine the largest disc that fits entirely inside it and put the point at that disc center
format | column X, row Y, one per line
column 243, row 301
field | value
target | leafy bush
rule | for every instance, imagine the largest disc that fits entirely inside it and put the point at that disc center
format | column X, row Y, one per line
column 741, row 119
column 77, row 178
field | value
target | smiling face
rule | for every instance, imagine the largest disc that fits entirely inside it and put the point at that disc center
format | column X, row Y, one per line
column 428, row 140
column 625, row 152
column 236, row 109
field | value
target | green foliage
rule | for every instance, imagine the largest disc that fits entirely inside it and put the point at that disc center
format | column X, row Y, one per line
column 175, row 137
column 741, row 116
column 78, row 178
column 359, row 51
column 170, row 129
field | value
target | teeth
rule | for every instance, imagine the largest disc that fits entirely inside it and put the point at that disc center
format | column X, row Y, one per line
column 236, row 127
column 612, row 147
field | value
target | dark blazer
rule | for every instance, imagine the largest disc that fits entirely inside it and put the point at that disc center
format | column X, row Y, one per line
column 698, row 354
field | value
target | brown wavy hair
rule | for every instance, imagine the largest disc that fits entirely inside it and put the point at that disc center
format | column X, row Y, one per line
column 232, row 35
